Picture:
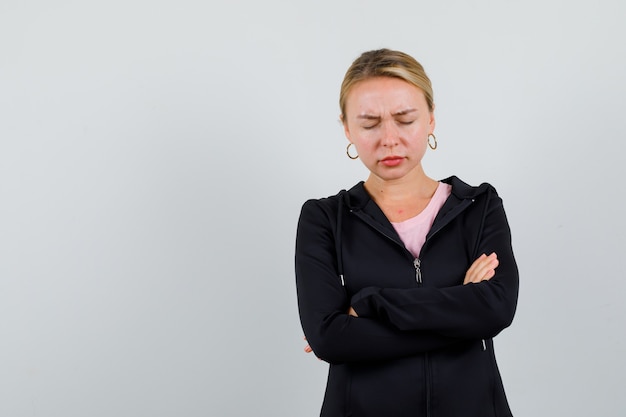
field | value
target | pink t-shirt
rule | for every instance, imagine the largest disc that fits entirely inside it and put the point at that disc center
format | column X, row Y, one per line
column 413, row 231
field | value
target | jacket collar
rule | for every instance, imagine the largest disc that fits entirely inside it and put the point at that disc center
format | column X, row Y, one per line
column 463, row 195
column 357, row 198
column 463, row 190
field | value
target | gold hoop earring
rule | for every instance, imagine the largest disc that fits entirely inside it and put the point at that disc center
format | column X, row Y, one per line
column 348, row 152
column 433, row 145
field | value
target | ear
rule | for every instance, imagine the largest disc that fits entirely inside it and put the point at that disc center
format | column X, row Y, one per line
column 431, row 121
column 346, row 131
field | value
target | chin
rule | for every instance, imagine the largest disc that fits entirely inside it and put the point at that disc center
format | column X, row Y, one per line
column 391, row 176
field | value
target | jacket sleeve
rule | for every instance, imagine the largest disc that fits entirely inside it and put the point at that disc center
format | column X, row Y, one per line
column 465, row 311
column 335, row 336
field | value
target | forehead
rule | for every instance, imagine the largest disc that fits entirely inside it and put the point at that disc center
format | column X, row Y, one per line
column 379, row 92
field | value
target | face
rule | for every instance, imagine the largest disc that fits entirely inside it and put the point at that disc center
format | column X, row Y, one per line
column 388, row 121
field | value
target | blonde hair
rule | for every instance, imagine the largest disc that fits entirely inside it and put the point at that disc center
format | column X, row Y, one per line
column 386, row 63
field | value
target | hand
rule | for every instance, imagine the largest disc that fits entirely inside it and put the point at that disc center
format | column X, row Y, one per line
column 351, row 312
column 307, row 348
column 483, row 269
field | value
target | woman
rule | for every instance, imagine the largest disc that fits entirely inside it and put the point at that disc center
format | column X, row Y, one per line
column 403, row 280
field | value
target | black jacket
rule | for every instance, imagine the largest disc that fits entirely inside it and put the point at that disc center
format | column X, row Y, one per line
column 421, row 345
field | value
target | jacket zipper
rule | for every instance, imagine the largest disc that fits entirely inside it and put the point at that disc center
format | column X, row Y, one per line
column 417, row 263
column 418, row 271
column 418, row 278
column 428, row 382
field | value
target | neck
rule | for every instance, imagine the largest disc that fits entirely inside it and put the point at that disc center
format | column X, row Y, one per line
column 414, row 185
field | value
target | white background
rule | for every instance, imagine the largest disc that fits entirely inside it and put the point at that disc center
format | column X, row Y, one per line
column 154, row 156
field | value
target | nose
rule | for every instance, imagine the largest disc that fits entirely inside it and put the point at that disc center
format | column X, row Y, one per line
column 390, row 135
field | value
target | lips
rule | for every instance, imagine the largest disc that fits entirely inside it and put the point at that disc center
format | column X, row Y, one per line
column 391, row 161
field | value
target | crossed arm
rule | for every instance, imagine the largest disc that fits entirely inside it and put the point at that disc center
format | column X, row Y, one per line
column 383, row 323
column 482, row 269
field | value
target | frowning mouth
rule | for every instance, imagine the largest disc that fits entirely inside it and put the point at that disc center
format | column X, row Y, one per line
column 391, row 161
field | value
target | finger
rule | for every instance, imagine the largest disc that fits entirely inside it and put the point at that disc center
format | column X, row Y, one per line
column 476, row 263
column 480, row 268
column 308, row 349
column 471, row 273
column 489, row 269
column 485, row 270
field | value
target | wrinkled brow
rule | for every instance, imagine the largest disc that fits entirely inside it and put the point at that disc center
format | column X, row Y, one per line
column 403, row 112
column 367, row 116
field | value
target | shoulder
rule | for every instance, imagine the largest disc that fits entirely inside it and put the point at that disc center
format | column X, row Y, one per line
column 482, row 196
column 319, row 219
column 463, row 190
column 349, row 198
column 322, row 210
column 324, row 203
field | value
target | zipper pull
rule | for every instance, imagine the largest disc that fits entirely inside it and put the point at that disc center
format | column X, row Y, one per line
column 343, row 283
column 484, row 345
column 418, row 271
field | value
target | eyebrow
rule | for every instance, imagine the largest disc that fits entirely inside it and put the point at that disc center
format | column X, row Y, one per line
column 368, row 117
column 403, row 112
column 399, row 113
